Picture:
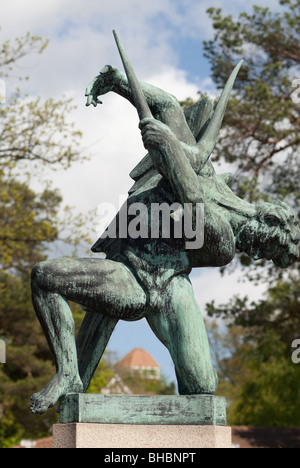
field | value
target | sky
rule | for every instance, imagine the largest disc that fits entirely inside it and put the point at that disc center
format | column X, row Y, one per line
column 163, row 39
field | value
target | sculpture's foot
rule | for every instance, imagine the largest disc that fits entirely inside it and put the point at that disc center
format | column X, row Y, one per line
column 59, row 386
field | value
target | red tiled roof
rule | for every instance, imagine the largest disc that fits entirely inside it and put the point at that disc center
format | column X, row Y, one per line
column 138, row 358
column 44, row 443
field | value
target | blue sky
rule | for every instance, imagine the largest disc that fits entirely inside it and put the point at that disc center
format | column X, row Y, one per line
column 164, row 41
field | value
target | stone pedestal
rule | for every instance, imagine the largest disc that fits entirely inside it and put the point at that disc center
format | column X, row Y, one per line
column 126, row 436
column 138, row 421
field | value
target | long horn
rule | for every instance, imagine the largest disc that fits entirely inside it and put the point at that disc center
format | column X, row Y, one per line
column 138, row 96
column 209, row 138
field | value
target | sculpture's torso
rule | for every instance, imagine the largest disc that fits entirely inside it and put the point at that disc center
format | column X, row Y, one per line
column 155, row 261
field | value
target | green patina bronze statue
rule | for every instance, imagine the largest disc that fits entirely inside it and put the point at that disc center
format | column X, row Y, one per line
column 148, row 276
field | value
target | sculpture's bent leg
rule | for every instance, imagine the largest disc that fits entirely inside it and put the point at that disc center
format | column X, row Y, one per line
column 178, row 324
column 101, row 285
column 92, row 339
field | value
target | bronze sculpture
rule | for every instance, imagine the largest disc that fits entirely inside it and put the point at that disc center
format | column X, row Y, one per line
column 149, row 277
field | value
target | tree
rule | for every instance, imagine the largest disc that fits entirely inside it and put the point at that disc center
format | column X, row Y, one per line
column 262, row 122
column 261, row 126
column 27, row 222
column 33, row 134
column 261, row 140
column 257, row 376
column 140, row 383
column 279, row 311
column 32, row 130
column 25, row 229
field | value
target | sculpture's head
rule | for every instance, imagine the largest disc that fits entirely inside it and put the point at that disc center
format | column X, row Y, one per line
column 273, row 233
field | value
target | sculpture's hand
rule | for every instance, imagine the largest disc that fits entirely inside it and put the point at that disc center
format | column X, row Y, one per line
column 155, row 134
column 102, row 84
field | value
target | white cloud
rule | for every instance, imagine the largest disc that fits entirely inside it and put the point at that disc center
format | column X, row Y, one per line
column 209, row 285
column 111, row 135
column 191, row 19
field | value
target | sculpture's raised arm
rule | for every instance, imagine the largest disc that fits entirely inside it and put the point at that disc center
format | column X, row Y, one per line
column 151, row 101
column 163, row 105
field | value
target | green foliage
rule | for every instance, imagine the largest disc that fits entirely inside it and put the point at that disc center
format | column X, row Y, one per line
column 101, row 377
column 279, row 311
column 33, row 134
column 262, row 121
column 140, row 384
column 28, row 361
column 257, row 376
column 27, row 221
column 33, row 130
column 260, row 138
column 13, row 50
column 270, row 394
column 37, row 131
column 257, row 373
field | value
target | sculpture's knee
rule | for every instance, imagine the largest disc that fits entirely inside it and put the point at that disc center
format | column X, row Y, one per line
column 38, row 276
